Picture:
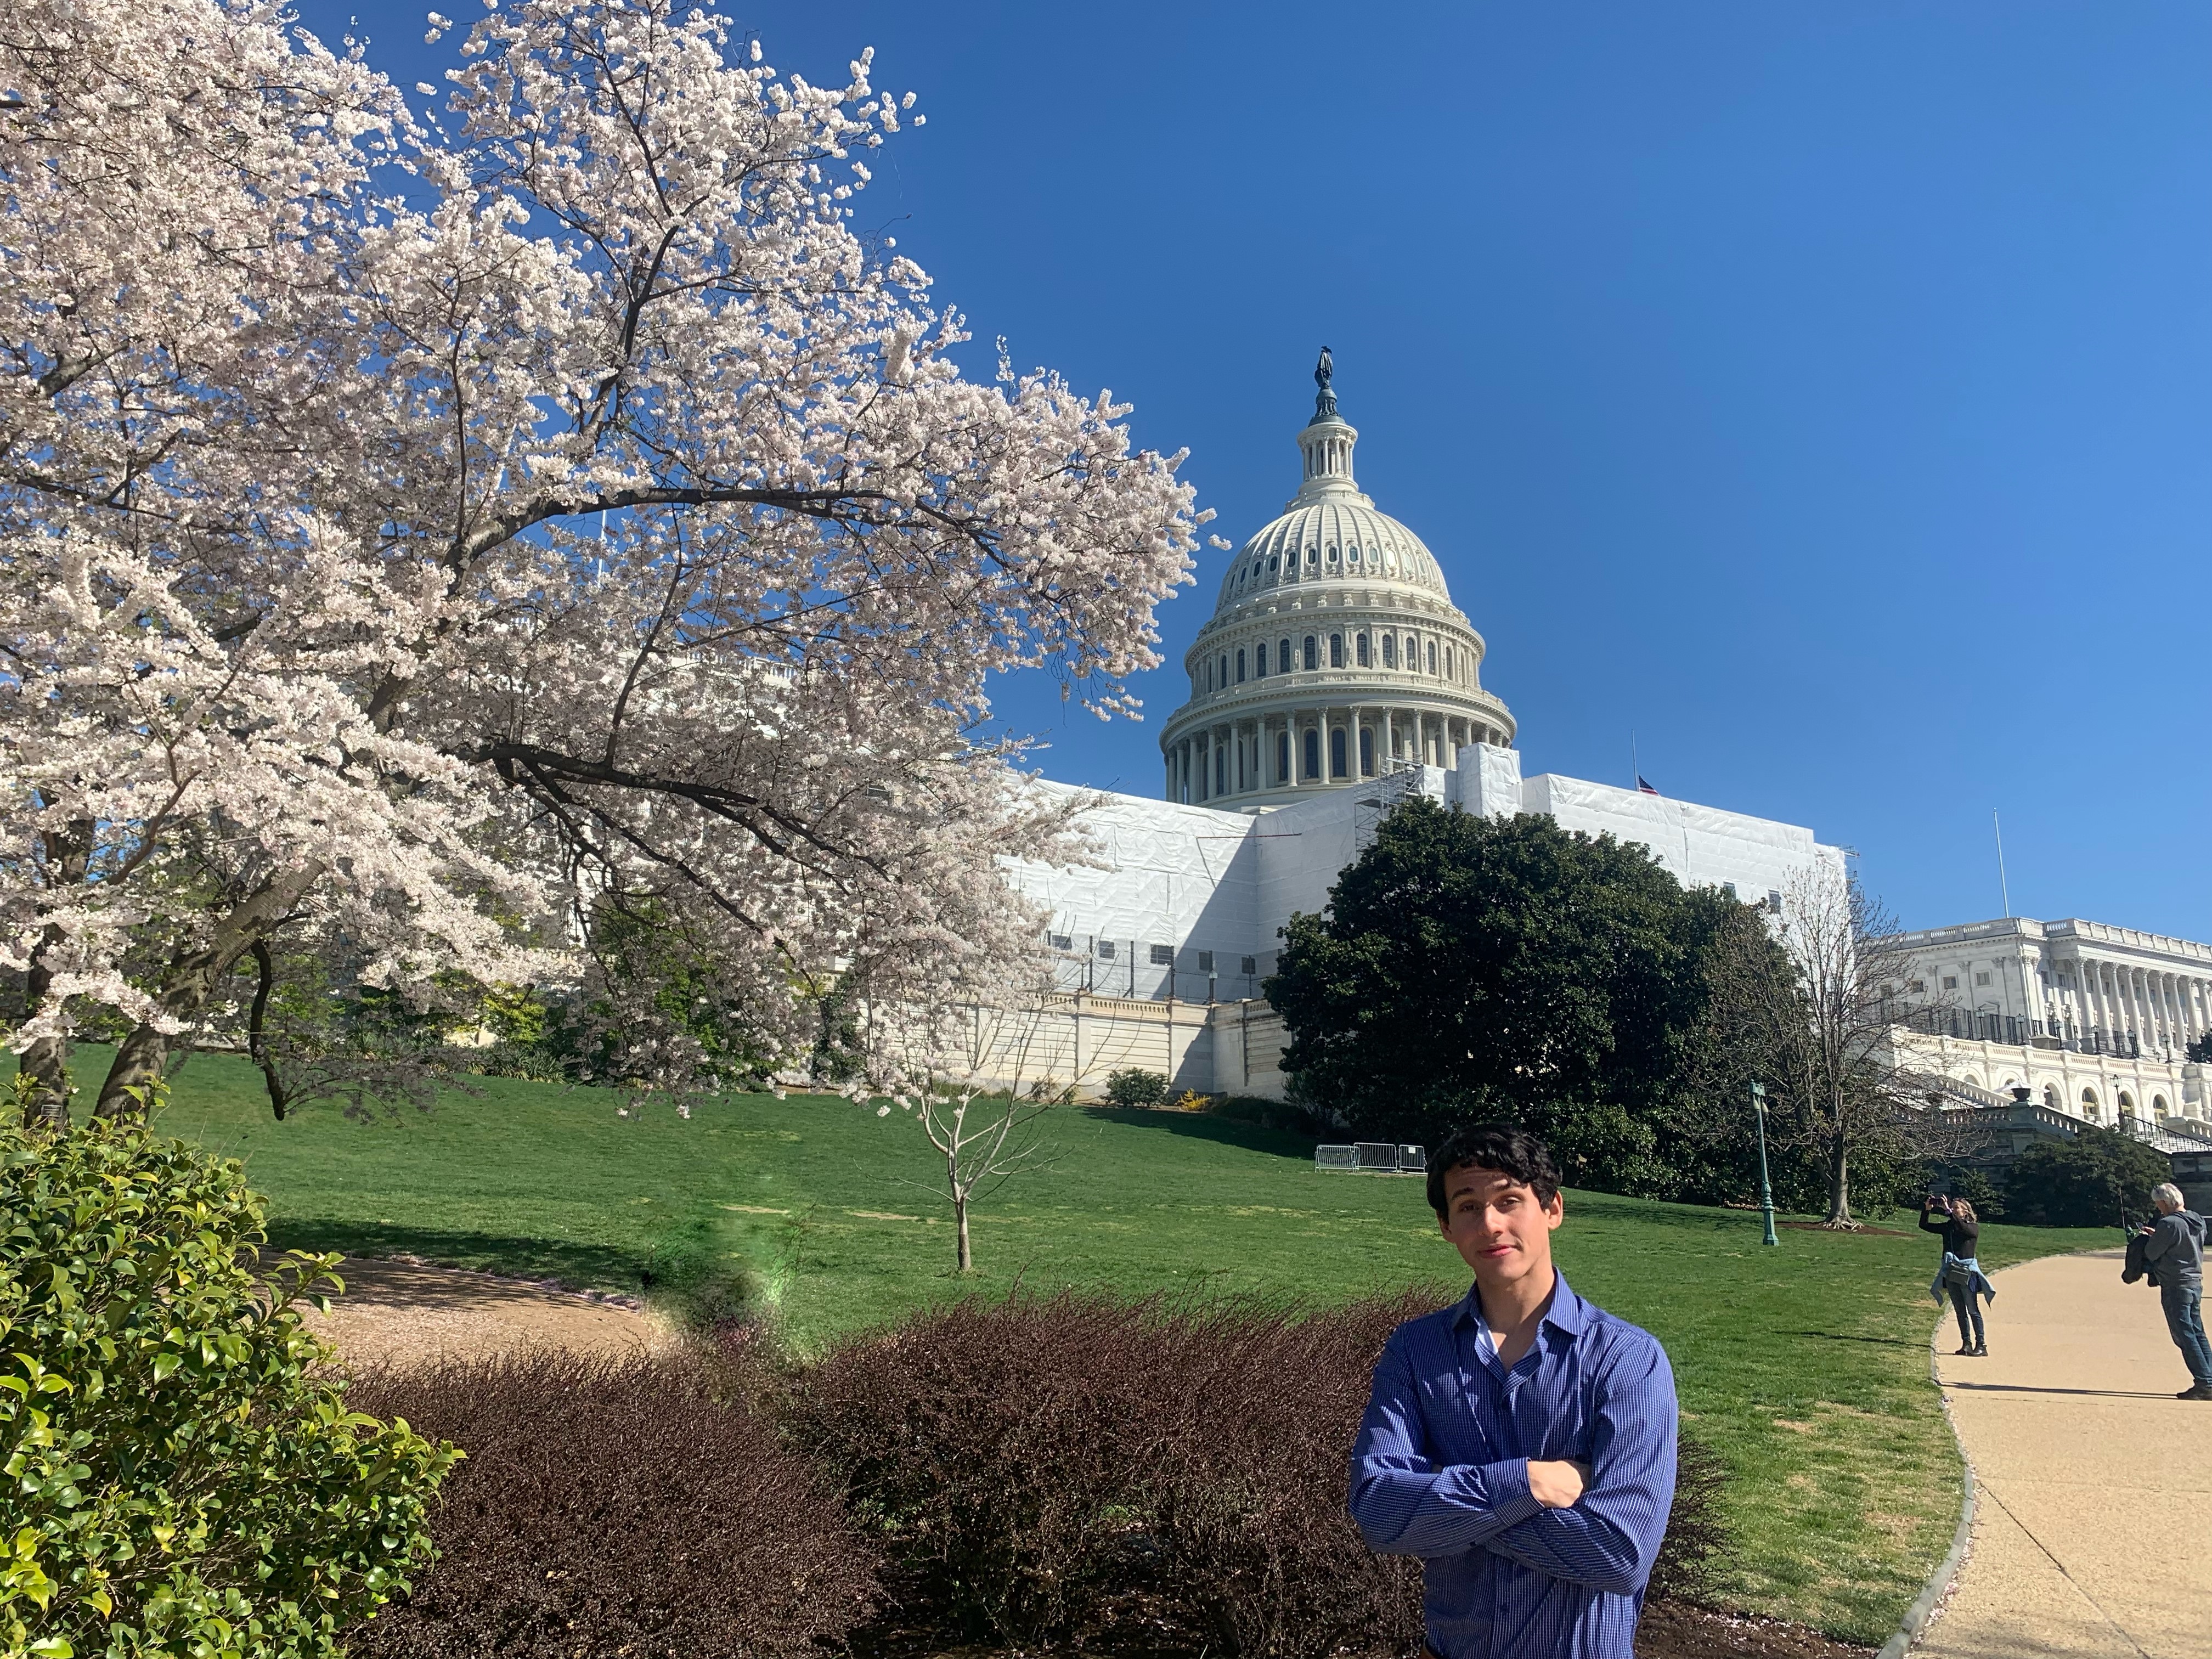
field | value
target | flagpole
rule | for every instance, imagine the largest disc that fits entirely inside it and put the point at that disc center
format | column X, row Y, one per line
column 2003, row 888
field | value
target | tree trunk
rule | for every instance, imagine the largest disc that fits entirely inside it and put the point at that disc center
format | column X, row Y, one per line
column 1839, row 1184
column 45, row 1062
column 43, row 1066
column 960, row 1215
column 191, row 980
column 257, row 1041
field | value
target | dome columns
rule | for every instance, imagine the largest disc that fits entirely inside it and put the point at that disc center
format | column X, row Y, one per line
column 1271, row 755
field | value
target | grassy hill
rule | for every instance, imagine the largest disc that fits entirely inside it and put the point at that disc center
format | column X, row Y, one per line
column 1806, row 1366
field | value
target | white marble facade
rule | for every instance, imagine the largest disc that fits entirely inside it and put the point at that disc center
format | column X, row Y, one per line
column 2094, row 1020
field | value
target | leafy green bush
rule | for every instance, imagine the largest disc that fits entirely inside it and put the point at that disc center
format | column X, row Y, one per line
column 1136, row 1087
column 181, row 1478
column 2085, row 1181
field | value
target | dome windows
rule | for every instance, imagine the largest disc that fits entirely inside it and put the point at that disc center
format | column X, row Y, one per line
column 1313, row 654
column 1274, row 561
column 1283, row 657
column 1240, row 667
column 1336, row 650
column 1359, row 651
column 1313, row 556
column 1260, row 661
column 1390, row 650
column 1432, row 656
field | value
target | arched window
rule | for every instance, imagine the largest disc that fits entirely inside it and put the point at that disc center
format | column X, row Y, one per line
column 2051, row 1097
column 1448, row 662
column 1240, row 579
column 2158, row 1106
column 1332, row 553
column 1336, row 650
column 1209, row 677
column 2127, row 1104
column 1390, row 650
column 1224, row 681
column 1313, row 658
column 1336, row 751
column 1432, row 656
column 1413, row 654
column 1313, row 556
column 1313, row 753
column 1240, row 665
column 1360, row 642
column 1260, row 664
column 1366, row 749
column 1274, row 561
column 1283, row 657
column 1282, row 755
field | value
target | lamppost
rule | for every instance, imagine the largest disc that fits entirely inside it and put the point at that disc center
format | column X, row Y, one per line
column 1766, row 1186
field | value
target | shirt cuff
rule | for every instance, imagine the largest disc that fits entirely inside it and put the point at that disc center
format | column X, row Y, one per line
column 1506, row 1486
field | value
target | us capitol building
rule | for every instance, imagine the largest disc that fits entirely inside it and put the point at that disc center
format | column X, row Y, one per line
column 1336, row 678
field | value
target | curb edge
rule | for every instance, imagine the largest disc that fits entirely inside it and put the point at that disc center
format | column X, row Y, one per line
column 1947, row 1571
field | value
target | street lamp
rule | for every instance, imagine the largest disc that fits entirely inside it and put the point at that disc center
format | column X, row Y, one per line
column 1766, row 1186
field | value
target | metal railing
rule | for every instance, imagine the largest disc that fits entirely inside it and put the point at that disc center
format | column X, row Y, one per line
column 2015, row 1032
column 1374, row 1157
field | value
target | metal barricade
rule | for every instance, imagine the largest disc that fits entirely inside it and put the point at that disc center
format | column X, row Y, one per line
column 1373, row 1158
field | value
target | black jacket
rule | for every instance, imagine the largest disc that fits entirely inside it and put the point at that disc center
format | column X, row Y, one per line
column 1961, row 1238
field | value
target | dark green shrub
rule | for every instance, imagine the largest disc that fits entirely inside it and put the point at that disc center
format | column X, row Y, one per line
column 1136, row 1087
column 1285, row 1115
column 2085, row 1181
column 1032, row 1463
column 632, row 1507
column 1964, row 1181
column 182, row 1480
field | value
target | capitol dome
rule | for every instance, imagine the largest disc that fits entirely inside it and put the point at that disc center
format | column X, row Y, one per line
column 1335, row 652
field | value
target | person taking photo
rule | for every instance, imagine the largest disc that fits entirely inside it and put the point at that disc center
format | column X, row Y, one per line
column 1521, row 1441
column 2173, row 1250
column 1960, row 1274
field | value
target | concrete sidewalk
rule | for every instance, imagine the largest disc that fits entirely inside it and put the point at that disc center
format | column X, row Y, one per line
column 2092, row 1537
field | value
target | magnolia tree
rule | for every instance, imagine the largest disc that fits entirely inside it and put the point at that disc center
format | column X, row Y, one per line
column 427, row 536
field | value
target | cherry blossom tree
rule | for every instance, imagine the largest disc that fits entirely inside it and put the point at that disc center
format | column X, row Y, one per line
column 422, row 535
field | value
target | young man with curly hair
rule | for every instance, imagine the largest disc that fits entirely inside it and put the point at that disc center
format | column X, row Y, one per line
column 1521, row 1441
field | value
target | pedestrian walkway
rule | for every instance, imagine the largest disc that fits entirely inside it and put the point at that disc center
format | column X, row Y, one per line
column 2092, row 1536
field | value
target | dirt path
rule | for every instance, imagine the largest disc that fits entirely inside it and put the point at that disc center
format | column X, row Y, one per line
column 2093, row 1534
column 402, row 1312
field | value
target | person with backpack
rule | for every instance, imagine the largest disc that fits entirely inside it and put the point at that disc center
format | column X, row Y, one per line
column 1961, row 1273
column 2173, row 1253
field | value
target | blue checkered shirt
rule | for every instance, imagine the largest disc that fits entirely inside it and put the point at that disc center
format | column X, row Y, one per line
column 1441, row 1471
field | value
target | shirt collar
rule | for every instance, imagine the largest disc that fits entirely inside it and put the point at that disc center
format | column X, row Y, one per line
column 1567, row 1314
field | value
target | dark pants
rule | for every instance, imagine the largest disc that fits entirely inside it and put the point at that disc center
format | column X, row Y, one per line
column 2185, row 1321
column 1966, row 1305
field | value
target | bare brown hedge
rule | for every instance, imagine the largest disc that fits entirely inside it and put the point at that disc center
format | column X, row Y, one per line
column 616, row 1507
column 1030, row 1461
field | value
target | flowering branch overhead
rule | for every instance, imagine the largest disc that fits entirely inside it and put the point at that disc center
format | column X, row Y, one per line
column 600, row 522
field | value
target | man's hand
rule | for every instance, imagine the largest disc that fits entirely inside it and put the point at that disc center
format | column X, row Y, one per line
column 1556, row 1486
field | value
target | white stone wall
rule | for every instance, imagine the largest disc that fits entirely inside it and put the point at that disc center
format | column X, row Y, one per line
column 1212, row 889
column 2121, row 1005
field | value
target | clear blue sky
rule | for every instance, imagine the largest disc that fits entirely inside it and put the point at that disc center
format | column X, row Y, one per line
column 1822, row 391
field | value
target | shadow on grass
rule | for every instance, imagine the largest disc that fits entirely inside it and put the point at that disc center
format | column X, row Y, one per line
column 1878, row 1341
column 1204, row 1126
column 579, row 1267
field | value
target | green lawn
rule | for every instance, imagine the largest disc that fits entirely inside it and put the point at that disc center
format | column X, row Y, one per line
column 1807, row 1366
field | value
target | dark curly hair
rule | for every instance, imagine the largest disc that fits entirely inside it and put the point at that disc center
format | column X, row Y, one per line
column 1499, row 1147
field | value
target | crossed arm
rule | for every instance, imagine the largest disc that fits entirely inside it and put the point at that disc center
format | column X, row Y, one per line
column 1605, row 1539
